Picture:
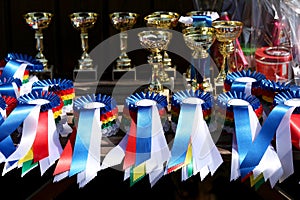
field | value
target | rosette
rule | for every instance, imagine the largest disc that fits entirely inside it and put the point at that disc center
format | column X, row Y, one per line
column 144, row 147
column 247, row 110
column 65, row 90
column 84, row 159
column 269, row 90
column 19, row 66
column 244, row 81
column 10, row 87
column 223, row 104
column 178, row 97
column 39, row 143
column 193, row 149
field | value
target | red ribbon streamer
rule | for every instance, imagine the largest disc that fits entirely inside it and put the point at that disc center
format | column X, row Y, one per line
column 295, row 130
column 129, row 159
column 40, row 144
column 65, row 160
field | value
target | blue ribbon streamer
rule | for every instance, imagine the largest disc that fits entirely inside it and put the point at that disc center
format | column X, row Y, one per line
column 82, row 143
column 242, row 130
column 183, row 134
column 10, row 68
column 32, row 63
column 202, row 20
column 143, row 134
column 262, row 141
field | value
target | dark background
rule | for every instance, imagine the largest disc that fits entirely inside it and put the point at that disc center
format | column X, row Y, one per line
column 62, row 49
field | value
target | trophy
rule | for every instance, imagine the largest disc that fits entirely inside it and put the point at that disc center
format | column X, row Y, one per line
column 39, row 21
column 163, row 20
column 199, row 40
column 155, row 41
column 226, row 32
column 83, row 21
column 123, row 21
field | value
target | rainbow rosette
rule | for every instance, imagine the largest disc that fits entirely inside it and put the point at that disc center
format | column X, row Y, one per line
column 20, row 65
column 178, row 97
column 144, row 149
column 269, row 90
column 84, row 158
column 222, row 105
column 193, row 149
column 64, row 88
column 243, row 109
column 39, row 141
column 245, row 81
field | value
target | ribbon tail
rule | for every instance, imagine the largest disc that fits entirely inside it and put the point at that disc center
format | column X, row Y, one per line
column 94, row 155
column 115, row 155
column 54, row 146
column 284, row 145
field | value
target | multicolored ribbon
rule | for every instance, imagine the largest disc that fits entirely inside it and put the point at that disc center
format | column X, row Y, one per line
column 39, row 142
column 244, row 81
column 19, row 66
column 85, row 157
column 144, row 148
column 278, row 122
column 269, row 89
column 246, row 131
column 193, row 149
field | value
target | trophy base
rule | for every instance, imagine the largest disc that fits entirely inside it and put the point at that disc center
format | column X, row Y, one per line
column 123, row 63
column 171, row 71
column 218, row 87
column 85, row 74
column 129, row 73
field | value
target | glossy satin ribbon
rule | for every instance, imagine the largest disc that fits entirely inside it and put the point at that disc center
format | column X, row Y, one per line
column 193, row 150
column 82, row 154
column 233, row 82
column 144, row 148
column 247, row 127
column 39, row 141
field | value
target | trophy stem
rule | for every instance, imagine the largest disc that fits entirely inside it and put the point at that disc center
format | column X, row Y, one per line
column 123, row 61
column 155, row 62
column 226, row 48
column 40, row 47
column 85, row 61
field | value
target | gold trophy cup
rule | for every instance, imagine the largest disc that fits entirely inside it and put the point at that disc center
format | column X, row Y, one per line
column 155, row 41
column 163, row 20
column 83, row 21
column 226, row 32
column 39, row 21
column 123, row 21
column 199, row 40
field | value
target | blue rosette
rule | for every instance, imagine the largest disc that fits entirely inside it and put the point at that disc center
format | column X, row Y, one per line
column 284, row 96
column 223, row 105
column 269, row 90
column 33, row 64
column 108, row 113
column 54, row 100
column 177, row 100
column 10, row 86
column 238, row 76
column 131, row 107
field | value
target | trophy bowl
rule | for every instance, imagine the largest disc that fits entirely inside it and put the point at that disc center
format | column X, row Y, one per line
column 39, row 21
column 155, row 41
column 162, row 19
column 199, row 40
column 83, row 21
column 226, row 32
column 123, row 21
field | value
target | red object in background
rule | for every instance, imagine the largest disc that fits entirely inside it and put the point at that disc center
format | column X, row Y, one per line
column 2, row 65
column 273, row 62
